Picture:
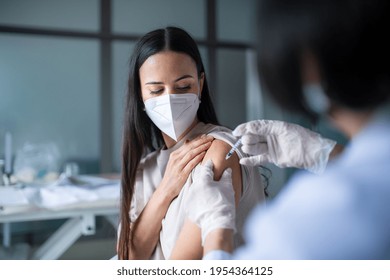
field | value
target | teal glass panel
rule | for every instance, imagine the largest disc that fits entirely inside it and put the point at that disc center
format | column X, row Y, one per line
column 141, row 16
column 49, row 93
column 236, row 20
column 58, row 14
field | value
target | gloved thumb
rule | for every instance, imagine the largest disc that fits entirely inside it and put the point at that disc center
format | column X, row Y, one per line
column 255, row 149
column 208, row 166
column 256, row 160
column 227, row 175
column 205, row 171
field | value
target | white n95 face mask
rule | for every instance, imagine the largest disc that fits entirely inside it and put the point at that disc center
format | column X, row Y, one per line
column 173, row 113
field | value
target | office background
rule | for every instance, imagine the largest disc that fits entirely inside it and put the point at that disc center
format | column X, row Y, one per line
column 63, row 70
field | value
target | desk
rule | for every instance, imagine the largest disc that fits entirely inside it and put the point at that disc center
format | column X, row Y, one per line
column 81, row 221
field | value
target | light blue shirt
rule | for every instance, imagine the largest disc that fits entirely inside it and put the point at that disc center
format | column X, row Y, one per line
column 343, row 214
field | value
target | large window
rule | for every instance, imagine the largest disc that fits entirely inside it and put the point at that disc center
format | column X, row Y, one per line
column 64, row 64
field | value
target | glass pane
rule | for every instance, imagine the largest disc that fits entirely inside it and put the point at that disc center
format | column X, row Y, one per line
column 203, row 54
column 121, row 56
column 141, row 16
column 236, row 20
column 49, row 93
column 70, row 14
column 231, row 87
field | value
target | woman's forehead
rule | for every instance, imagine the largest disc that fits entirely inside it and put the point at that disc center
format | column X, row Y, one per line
column 167, row 64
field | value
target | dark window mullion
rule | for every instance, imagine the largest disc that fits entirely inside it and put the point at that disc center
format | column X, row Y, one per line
column 211, row 14
column 106, row 118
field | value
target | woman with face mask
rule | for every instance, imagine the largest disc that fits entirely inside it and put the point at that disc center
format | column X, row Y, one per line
column 170, row 126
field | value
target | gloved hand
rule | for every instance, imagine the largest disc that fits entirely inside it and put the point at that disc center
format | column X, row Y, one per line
column 283, row 144
column 211, row 202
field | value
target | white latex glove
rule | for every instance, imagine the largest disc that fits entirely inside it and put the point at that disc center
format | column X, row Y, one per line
column 283, row 144
column 211, row 202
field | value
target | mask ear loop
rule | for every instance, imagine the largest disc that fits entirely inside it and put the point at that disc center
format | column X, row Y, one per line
column 316, row 99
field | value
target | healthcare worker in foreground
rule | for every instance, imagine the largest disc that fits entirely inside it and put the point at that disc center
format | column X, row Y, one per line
column 325, row 59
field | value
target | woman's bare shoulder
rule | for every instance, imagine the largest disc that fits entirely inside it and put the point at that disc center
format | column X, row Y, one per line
column 217, row 153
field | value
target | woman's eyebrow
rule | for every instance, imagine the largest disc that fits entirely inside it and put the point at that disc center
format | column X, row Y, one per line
column 178, row 79
column 154, row 83
column 184, row 77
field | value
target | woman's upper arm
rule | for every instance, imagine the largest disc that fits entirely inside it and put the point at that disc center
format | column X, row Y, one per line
column 217, row 153
column 190, row 232
column 193, row 250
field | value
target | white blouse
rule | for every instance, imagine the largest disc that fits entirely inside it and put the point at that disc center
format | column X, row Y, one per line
column 151, row 171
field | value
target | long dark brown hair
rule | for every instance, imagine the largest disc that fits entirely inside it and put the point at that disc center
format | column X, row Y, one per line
column 140, row 135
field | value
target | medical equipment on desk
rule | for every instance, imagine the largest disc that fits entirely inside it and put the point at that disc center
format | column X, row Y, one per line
column 79, row 204
column 37, row 164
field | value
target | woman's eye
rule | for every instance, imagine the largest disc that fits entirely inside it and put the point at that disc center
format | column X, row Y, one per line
column 156, row 91
column 184, row 88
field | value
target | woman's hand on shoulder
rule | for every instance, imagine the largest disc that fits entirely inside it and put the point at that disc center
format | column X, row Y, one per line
column 182, row 161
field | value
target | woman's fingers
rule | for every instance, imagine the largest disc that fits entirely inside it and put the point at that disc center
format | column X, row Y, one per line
column 183, row 161
column 191, row 152
column 189, row 155
column 192, row 148
column 195, row 143
column 195, row 153
column 193, row 162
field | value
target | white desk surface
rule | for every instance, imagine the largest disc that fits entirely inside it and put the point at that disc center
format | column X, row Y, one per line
column 81, row 218
column 33, row 213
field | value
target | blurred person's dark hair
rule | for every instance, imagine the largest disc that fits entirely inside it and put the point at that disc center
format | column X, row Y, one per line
column 348, row 39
